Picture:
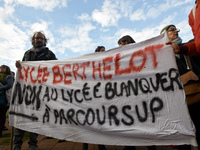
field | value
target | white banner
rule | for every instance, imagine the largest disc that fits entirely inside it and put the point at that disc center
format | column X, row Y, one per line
column 130, row 95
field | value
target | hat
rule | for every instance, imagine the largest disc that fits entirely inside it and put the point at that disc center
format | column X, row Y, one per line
column 165, row 28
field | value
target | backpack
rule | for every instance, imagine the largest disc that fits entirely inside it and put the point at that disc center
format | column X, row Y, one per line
column 8, row 92
column 9, row 95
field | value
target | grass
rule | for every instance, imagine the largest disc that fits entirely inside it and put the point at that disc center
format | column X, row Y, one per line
column 7, row 114
column 26, row 136
column 8, row 135
column 5, row 142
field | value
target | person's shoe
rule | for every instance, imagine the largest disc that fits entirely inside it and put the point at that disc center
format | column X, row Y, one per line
column 17, row 147
column 5, row 129
column 33, row 147
column 60, row 141
column 102, row 147
column 85, row 146
column 47, row 137
column 129, row 148
column 151, row 147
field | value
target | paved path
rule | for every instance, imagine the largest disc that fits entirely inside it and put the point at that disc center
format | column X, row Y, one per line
column 53, row 144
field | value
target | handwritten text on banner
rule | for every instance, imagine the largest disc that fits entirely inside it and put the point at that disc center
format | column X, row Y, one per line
column 131, row 95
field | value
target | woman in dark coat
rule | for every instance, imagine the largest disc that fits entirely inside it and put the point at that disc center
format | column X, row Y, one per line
column 6, row 82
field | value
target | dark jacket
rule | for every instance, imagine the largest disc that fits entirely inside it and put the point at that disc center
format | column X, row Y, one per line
column 7, row 84
column 181, row 63
column 44, row 54
column 182, row 66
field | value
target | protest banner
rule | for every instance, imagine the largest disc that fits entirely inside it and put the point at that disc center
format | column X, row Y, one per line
column 130, row 95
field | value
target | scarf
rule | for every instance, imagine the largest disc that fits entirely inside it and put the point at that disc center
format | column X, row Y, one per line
column 178, row 41
column 38, row 49
column 2, row 77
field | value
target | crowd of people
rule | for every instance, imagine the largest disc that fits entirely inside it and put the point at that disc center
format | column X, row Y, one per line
column 40, row 52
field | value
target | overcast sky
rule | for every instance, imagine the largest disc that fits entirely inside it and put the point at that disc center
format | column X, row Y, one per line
column 77, row 27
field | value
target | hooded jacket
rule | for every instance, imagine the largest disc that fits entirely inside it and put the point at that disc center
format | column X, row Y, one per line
column 43, row 54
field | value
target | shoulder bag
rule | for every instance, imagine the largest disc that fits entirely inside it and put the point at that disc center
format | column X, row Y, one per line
column 192, row 88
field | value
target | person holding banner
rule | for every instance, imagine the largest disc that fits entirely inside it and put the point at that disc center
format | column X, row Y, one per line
column 6, row 82
column 186, row 76
column 193, row 48
column 85, row 145
column 127, row 39
column 38, row 52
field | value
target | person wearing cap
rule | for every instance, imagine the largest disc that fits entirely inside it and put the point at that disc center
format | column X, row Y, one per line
column 186, row 76
column 192, row 48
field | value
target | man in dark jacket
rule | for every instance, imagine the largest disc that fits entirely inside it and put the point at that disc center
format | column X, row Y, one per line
column 38, row 52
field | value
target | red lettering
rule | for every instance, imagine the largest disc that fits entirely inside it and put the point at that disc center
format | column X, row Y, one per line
column 42, row 74
column 46, row 74
column 20, row 73
column 107, row 67
column 67, row 74
column 131, row 63
column 75, row 71
column 26, row 72
column 96, row 69
column 39, row 74
column 86, row 64
column 31, row 77
column 140, row 53
column 152, row 50
column 57, row 76
column 117, row 66
column 102, row 68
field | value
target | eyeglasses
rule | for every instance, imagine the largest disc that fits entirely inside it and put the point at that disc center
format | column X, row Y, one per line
column 37, row 38
column 173, row 29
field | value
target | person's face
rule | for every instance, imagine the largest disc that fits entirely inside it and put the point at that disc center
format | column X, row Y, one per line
column 39, row 40
column 102, row 49
column 123, row 43
column 3, row 69
column 172, row 33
